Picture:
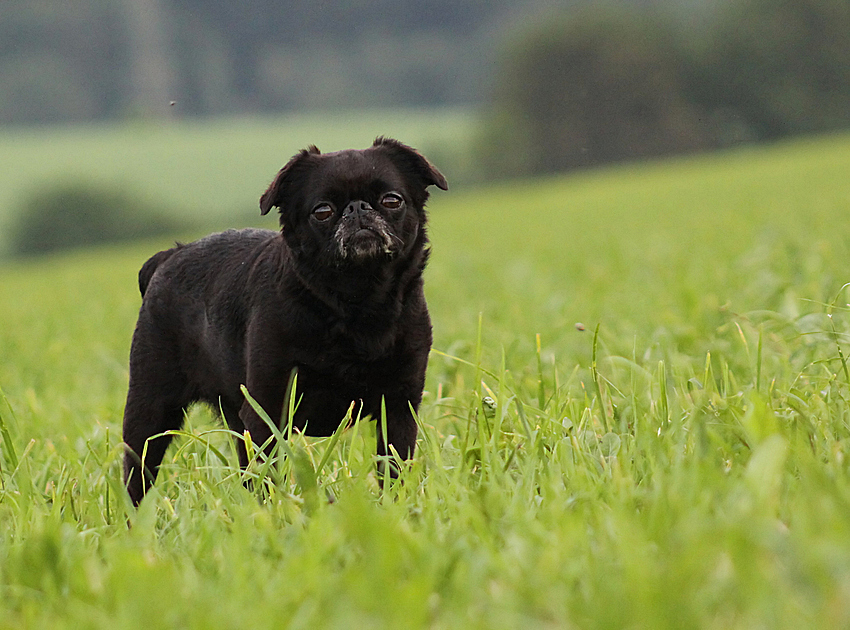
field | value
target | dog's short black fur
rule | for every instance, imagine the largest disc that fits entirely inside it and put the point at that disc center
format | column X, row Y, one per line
column 337, row 294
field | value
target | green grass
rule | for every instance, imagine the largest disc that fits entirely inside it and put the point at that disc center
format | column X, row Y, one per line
column 681, row 462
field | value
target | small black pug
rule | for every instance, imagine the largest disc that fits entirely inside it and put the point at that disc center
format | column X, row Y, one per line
column 336, row 294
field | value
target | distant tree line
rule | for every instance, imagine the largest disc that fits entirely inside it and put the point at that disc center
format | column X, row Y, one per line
column 578, row 83
column 601, row 85
column 81, row 60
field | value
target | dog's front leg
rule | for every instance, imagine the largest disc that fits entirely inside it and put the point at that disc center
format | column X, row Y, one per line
column 270, row 401
column 401, row 430
column 403, row 381
column 266, row 380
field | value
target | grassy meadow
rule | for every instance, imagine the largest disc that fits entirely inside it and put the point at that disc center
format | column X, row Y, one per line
column 637, row 415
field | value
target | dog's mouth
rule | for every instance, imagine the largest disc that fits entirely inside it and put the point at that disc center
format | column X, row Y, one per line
column 366, row 233
column 358, row 242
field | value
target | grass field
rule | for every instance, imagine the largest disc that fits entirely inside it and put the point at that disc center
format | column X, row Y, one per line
column 637, row 416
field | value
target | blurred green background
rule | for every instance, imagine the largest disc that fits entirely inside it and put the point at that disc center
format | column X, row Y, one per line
column 160, row 115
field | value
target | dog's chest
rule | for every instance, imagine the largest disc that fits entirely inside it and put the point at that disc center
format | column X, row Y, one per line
column 353, row 352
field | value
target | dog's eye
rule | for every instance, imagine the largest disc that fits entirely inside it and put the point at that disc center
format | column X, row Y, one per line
column 392, row 201
column 323, row 212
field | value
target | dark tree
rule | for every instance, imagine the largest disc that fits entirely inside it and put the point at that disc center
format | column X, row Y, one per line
column 780, row 67
column 597, row 87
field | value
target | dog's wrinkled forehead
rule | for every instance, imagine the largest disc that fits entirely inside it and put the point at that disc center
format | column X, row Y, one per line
column 352, row 174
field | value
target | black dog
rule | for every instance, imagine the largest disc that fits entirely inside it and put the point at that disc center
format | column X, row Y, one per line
column 336, row 295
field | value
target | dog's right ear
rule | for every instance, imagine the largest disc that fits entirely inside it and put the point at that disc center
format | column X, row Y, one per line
column 275, row 195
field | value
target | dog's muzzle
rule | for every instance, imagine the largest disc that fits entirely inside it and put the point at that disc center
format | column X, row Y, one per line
column 363, row 233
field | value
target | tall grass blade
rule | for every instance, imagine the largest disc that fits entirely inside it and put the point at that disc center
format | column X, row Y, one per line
column 346, row 422
column 106, row 490
column 594, row 375
column 7, row 443
column 384, row 461
column 541, row 391
column 276, row 442
column 663, row 400
column 835, row 335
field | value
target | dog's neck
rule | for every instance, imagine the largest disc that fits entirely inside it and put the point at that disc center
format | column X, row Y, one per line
column 380, row 285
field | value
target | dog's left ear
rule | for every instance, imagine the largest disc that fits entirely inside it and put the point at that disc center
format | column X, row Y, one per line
column 413, row 160
column 275, row 195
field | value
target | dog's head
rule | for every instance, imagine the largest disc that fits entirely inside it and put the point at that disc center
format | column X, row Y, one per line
column 353, row 207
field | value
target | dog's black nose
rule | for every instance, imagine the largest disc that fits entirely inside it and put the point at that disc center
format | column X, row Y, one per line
column 355, row 206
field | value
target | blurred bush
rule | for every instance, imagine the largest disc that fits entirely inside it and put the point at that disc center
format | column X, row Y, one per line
column 604, row 84
column 73, row 215
column 780, row 67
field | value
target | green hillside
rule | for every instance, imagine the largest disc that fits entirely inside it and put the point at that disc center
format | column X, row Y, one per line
column 210, row 171
column 636, row 415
